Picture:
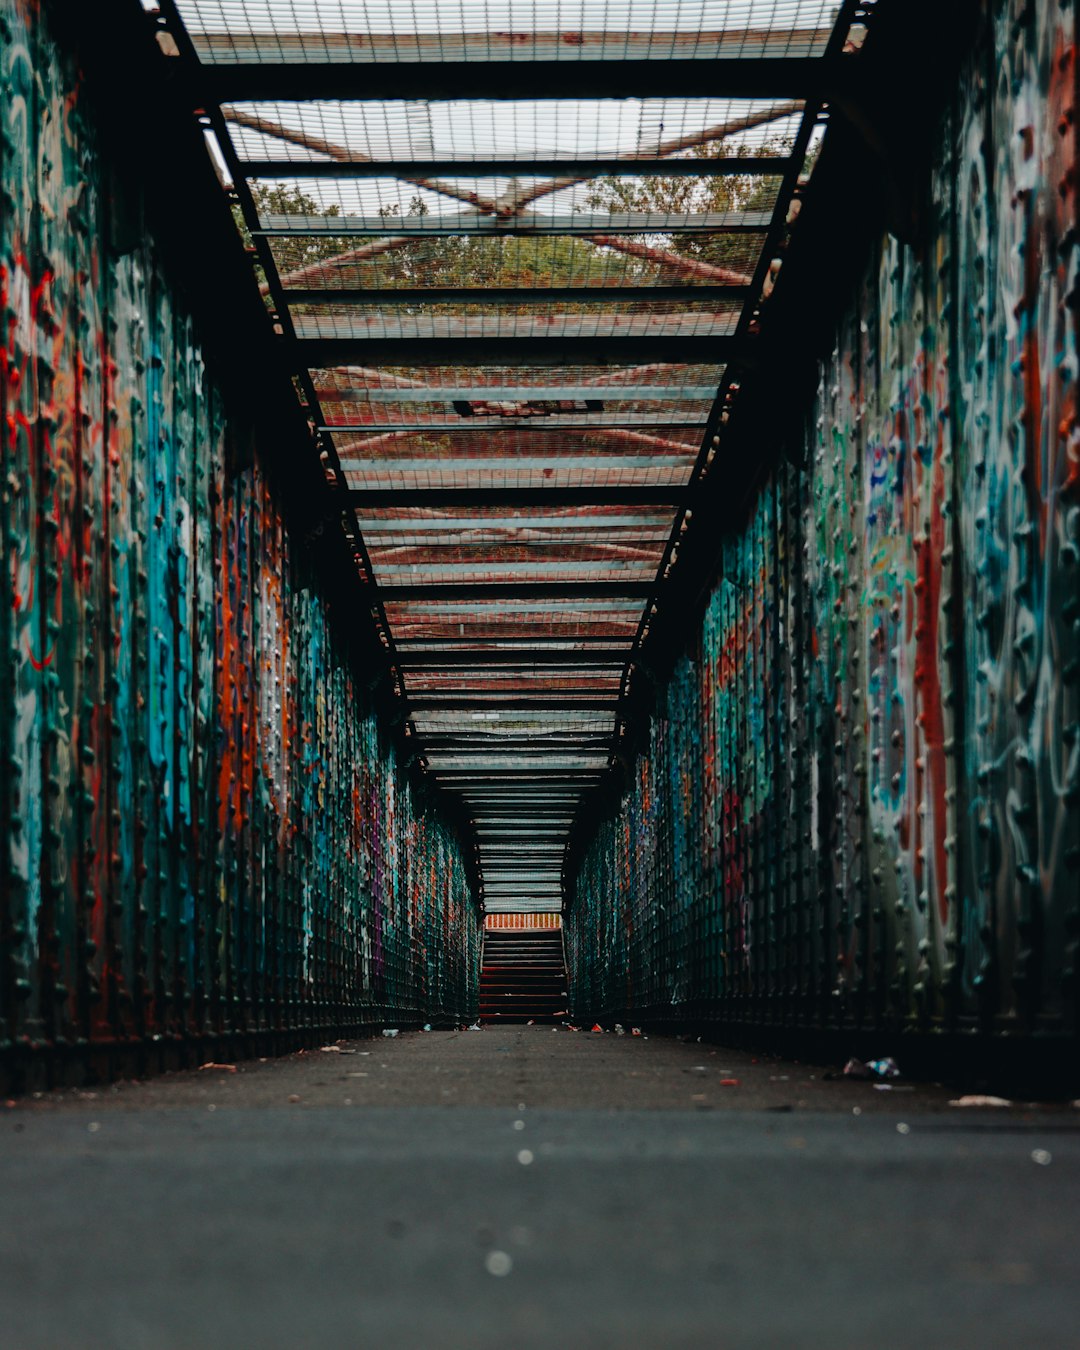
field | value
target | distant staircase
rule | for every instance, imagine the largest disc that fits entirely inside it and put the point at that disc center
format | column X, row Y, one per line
column 523, row 977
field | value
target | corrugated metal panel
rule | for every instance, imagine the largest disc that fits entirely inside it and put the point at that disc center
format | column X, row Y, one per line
column 206, row 835
column 860, row 801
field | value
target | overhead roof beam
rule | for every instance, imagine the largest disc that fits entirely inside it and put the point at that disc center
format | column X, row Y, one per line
column 540, row 422
column 470, row 753
column 322, row 352
column 390, row 296
column 359, row 47
column 412, row 645
column 519, row 590
column 564, row 166
column 478, row 660
column 381, row 498
column 772, row 77
column 568, row 778
column 521, row 393
column 293, row 226
column 603, row 703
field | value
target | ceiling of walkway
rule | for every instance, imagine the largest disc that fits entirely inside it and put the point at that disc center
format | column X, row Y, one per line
column 516, row 251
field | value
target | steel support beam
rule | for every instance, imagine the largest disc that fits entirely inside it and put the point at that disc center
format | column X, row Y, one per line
column 523, row 393
column 512, row 705
column 417, row 645
column 561, row 167
column 599, row 657
column 541, row 422
column 315, row 353
column 379, row 499
column 519, row 590
column 774, row 77
column 388, row 297
column 293, row 226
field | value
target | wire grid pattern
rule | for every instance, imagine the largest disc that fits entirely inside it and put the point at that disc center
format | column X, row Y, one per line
column 513, row 699
column 463, row 528
column 520, row 262
column 354, row 31
column 478, row 437
column 493, row 475
column 659, row 378
column 518, row 129
column 445, row 322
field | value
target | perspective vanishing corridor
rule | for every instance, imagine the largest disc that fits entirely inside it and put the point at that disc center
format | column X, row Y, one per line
column 528, row 521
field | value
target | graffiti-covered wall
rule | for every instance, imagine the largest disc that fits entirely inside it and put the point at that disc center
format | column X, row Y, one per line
column 204, row 832
column 860, row 800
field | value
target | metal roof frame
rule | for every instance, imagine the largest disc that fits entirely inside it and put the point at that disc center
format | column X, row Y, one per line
column 483, row 429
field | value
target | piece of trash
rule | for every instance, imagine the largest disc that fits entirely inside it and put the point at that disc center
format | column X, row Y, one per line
column 598, row 1028
column 530, row 1023
column 903, row 1129
column 874, row 1068
column 729, row 1082
column 426, row 1026
column 390, row 1031
column 525, row 1157
column 330, row 1049
column 893, row 1087
column 1042, row 1156
column 620, row 1030
column 222, row 1068
column 294, row 1096
column 475, row 1027
column 94, row 1126
column 635, row 1031
column 980, row 1099
column 570, row 1028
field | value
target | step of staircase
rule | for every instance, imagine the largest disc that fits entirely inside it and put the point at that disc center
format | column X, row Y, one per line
column 523, row 977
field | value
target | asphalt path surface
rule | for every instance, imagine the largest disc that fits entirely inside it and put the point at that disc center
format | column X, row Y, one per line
column 526, row 1187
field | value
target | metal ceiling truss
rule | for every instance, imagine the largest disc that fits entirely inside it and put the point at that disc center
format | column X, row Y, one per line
column 517, row 276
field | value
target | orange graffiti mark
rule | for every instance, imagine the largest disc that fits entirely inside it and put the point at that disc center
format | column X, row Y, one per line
column 45, row 660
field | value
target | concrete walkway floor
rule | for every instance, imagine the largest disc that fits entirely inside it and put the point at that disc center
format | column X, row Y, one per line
column 528, row 1187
